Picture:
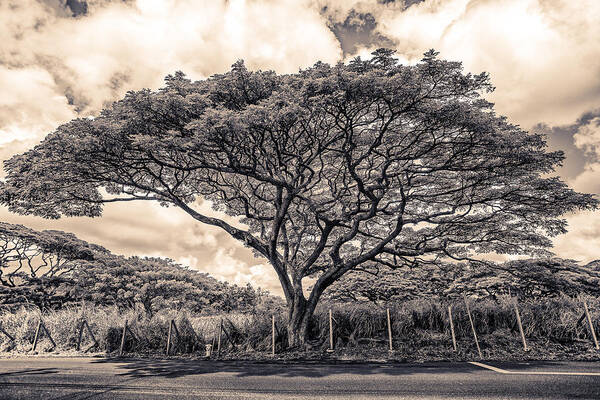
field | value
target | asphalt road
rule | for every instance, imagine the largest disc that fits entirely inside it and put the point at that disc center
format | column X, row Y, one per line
column 99, row 378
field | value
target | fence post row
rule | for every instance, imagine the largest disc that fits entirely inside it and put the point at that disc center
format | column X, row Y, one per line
column 473, row 327
column 41, row 329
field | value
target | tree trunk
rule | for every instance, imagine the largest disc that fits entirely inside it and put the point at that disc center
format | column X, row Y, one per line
column 299, row 315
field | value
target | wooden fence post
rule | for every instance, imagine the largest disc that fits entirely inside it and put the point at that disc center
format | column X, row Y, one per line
column 389, row 326
column 220, row 333
column 330, row 330
column 520, row 326
column 452, row 328
column 37, row 334
column 228, row 336
column 41, row 326
column 123, row 339
column 48, row 334
column 80, row 335
column 177, row 335
column 169, row 336
column 273, row 334
column 6, row 333
column 473, row 327
column 91, row 335
column 196, row 338
column 589, row 319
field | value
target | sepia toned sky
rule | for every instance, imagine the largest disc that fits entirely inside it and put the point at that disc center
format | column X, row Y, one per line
column 60, row 59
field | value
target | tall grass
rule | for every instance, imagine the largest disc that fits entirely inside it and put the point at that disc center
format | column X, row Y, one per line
column 415, row 324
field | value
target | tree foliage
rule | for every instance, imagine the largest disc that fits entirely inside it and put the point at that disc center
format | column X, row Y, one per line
column 329, row 169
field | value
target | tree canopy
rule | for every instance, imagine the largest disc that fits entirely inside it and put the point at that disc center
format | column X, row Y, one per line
column 329, row 169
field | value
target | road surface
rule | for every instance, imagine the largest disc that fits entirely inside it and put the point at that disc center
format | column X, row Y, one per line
column 99, row 378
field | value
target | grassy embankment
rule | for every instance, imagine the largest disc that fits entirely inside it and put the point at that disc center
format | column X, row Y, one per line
column 554, row 330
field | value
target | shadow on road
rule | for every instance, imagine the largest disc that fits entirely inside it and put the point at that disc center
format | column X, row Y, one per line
column 37, row 371
column 172, row 368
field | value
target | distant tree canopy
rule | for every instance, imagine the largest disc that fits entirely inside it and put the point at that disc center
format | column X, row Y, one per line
column 530, row 279
column 525, row 279
column 53, row 268
column 329, row 169
column 157, row 284
column 36, row 267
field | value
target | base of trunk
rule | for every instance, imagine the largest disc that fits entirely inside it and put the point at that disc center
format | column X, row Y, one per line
column 297, row 336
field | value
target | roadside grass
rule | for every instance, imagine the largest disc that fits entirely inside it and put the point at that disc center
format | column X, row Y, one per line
column 554, row 329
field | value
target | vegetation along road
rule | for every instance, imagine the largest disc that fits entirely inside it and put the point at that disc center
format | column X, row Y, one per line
column 99, row 378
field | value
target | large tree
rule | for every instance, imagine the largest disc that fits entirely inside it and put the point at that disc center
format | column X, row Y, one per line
column 326, row 170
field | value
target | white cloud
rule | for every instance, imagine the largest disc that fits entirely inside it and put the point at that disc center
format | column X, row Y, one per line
column 587, row 138
column 543, row 55
column 227, row 267
column 46, row 56
column 581, row 242
column 30, row 104
column 589, row 180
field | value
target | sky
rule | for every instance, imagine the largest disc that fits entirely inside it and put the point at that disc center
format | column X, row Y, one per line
column 62, row 59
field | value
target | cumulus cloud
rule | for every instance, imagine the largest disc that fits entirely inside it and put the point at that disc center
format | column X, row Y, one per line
column 542, row 54
column 227, row 266
column 30, row 106
column 581, row 242
column 82, row 63
column 588, row 138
